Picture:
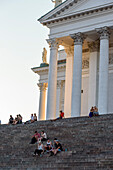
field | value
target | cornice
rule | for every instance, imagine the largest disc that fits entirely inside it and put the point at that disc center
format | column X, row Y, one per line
column 44, row 70
column 78, row 15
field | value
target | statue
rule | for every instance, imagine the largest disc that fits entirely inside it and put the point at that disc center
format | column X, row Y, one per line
column 44, row 55
column 57, row 2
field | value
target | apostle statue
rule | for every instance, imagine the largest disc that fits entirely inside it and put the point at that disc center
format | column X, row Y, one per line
column 57, row 2
column 44, row 55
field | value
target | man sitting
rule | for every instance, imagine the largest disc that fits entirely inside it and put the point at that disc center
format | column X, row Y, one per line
column 11, row 119
column 95, row 113
column 48, row 146
column 35, row 138
column 58, row 148
column 61, row 115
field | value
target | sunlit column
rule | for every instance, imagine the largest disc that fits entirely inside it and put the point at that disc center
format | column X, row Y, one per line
column 68, row 80
column 52, row 79
column 43, row 87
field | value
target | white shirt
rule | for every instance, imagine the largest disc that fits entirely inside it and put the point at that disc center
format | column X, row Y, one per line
column 45, row 136
column 40, row 147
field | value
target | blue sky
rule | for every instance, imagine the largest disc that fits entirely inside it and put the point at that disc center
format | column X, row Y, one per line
column 22, row 39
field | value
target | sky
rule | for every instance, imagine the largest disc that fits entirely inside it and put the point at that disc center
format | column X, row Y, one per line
column 22, row 39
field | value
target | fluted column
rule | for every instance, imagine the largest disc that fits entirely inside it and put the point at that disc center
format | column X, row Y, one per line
column 103, row 70
column 68, row 80
column 59, row 96
column 77, row 75
column 43, row 87
column 93, row 61
column 52, row 79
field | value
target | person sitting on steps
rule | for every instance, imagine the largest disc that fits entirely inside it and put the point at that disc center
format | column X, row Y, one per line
column 39, row 150
column 91, row 112
column 48, row 146
column 11, row 119
column 35, row 138
column 57, row 148
column 33, row 118
column 95, row 113
column 61, row 115
column 43, row 136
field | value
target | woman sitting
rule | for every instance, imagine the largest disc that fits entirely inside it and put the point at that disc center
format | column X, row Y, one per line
column 39, row 150
column 91, row 112
column 43, row 136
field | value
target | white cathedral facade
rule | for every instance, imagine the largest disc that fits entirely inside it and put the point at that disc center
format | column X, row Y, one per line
column 81, row 75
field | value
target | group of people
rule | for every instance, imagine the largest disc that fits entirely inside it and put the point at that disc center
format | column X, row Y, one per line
column 32, row 119
column 17, row 120
column 51, row 149
column 93, row 111
column 37, row 137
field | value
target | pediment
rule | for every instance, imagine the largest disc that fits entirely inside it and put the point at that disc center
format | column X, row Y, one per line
column 86, row 5
column 73, row 7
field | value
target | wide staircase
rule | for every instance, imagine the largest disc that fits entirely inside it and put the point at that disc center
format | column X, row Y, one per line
column 89, row 144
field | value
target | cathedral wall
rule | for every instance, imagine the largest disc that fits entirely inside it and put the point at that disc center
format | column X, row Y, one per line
column 110, row 93
column 84, row 95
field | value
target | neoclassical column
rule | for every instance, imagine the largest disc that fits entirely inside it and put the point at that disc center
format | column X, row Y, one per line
column 93, row 62
column 52, row 79
column 77, row 75
column 103, row 70
column 43, row 87
column 68, row 80
column 59, row 96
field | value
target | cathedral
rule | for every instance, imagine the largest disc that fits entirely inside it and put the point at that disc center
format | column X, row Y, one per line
column 81, row 75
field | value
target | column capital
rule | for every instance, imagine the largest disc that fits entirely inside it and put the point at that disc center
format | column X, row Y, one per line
column 78, row 38
column 104, row 32
column 69, row 50
column 42, row 86
column 53, row 43
column 93, row 46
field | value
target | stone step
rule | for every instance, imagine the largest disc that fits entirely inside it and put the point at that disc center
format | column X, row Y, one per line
column 89, row 142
